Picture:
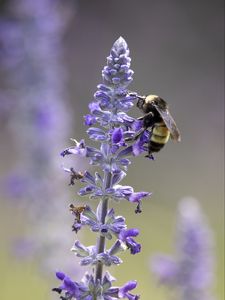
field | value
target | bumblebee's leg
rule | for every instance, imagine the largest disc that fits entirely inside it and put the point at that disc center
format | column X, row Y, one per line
column 146, row 116
column 149, row 155
column 134, row 94
column 146, row 124
column 150, row 151
column 139, row 133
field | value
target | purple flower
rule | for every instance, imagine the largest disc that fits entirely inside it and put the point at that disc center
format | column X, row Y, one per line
column 112, row 226
column 110, row 127
column 60, row 275
column 97, row 134
column 117, row 139
column 89, row 120
column 137, row 197
column 139, row 146
column 71, row 288
column 79, row 149
column 112, row 98
column 190, row 272
column 124, row 291
column 94, row 107
column 126, row 237
column 117, row 135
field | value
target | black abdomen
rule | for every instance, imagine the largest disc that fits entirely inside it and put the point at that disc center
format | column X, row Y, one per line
column 155, row 147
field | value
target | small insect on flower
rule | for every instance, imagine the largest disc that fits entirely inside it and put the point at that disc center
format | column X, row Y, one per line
column 77, row 211
column 158, row 118
column 74, row 175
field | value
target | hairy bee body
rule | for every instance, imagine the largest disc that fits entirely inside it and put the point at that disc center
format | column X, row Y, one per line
column 158, row 119
column 159, row 137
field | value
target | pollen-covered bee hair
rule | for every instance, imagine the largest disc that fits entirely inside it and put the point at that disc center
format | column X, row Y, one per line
column 158, row 120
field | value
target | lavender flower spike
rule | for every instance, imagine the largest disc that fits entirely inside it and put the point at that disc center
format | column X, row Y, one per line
column 190, row 272
column 109, row 126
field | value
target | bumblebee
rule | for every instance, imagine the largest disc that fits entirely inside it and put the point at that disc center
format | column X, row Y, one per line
column 157, row 117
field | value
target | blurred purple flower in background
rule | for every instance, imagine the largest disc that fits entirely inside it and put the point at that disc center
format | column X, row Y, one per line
column 190, row 272
column 34, row 96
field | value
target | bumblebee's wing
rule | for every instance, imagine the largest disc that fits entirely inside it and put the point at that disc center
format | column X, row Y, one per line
column 169, row 121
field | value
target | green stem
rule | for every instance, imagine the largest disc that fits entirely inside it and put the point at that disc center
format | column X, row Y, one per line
column 101, row 239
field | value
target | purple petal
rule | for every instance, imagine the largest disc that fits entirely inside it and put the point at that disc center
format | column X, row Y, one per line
column 79, row 149
column 128, row 232
column 60, row 275
column 124, row 162
column 89, row 120
column 137, row 148
column 103, row 87
column 88, row 178
column 86, row 190
column 94, row 106
column 137, row 125
column 69, row 285
column 136, row 197
column 97, row 134
column 125, row 152
column 133, row 246
column 80, row 250
column 118, row 177
column 117, row 135
column 107, row 281
column 117, row 247
column 88, row 213
column 124, row 290
column 105, row 149
column 125, row 236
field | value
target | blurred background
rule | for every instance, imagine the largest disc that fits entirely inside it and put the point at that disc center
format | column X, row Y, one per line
column 51, row 56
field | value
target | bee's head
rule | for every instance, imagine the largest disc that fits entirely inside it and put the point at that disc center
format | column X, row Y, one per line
column 160, row 103
column 140, row 103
